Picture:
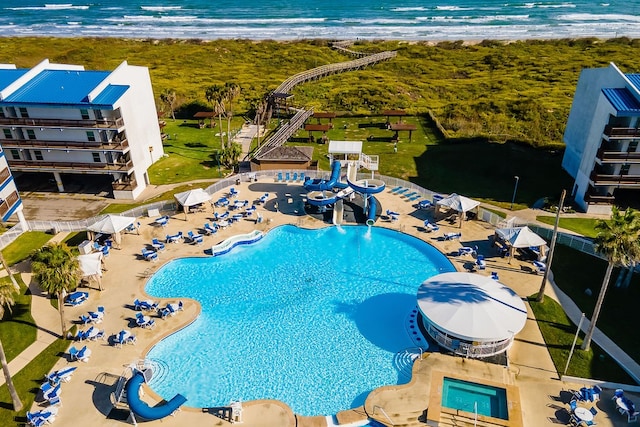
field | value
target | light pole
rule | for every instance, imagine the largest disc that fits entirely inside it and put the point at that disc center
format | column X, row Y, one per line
column 515, row 188
column 218, row 162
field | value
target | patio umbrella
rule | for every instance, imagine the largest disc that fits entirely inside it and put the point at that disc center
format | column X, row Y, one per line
column 459, row 203
column 112, row 224
column 520, row 237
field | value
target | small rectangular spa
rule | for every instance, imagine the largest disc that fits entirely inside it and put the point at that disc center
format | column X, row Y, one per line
column 470, row 397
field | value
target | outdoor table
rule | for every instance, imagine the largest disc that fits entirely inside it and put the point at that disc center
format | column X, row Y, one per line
column 223, row 224
column 583, row 414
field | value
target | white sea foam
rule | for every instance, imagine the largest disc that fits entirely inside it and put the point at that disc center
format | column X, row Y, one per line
column 49, row 7
column 160, row 8
column 598, row 17
column 408, row 9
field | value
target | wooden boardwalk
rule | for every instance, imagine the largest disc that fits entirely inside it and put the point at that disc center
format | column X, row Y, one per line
column 286, row 130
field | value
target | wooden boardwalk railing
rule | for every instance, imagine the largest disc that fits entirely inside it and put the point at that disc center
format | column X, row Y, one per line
column 283, row 133
column 343, row 46
column 339, row 67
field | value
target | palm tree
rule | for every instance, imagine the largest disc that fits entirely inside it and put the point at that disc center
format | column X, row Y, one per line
column 58, row 271
column 7, row 289
column 617, row 241
column 215, row 95
column 259, row 105
column 231, row 92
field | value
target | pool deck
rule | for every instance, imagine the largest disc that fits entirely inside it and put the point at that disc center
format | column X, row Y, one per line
column 86, row 398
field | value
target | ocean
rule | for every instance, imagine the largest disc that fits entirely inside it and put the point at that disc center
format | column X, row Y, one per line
column 328, row 19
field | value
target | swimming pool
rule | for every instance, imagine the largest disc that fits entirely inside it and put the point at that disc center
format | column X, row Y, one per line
column 464, row 395
column 309, row 317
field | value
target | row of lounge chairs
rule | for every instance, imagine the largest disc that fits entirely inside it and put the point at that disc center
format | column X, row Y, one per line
column 93, row 316
column 91, row 334
column 291, row 178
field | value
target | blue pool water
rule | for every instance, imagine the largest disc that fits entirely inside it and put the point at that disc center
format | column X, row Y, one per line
column 463, row 395
column 309, row 317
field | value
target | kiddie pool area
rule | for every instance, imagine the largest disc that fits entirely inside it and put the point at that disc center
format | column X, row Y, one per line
column 294, row 317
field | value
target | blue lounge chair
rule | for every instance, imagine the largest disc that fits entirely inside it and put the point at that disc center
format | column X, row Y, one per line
column 302, row 177
column 393, row 216
column 85, row 320
column 395, row 189
column 480, row 262
column 414, row 198
column 195, row 238
column 466, row 250
column 162, row 221
column 539, row 266
column 61, row 375
column 76, row 298
column 145, row 321
column 410, row 195
column 295, row 177
column 133, row 228
column 279, row 177
column 42, row 417
column 425, row 204
column 263, row 198
column 105, row 250
column 452, row 236
column 174, row 238
column 429, row 226
column 233, row 192
column 157, row 244
column 287, row 177
column 402, row 190
column 144, row 305
column 149, row 255
column 494, row 276
column 170, row 309
column 222, row 202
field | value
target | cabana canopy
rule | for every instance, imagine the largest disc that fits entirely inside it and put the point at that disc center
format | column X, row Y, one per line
column 520, row 237
column 192, row 197
column 91, row 267
column 458, row 203
column 471, row 307
column 111, row 224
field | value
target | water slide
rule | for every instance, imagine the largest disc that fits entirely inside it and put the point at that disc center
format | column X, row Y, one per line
column 325, row 185
column 142, row 409
column 338, row 212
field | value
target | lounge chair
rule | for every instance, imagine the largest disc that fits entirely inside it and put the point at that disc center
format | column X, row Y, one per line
column 195, row 238
column 133, row 228
column 494, row 276
column 402, row 191
column 144, row 305
column 279, row 179
column 480, row 262
column 221, row 202
column 97, row 316
column 157, row 244
column 263, row 198
column 597, row 392
column 393, row 216
column 97, row 247
column 149, row 255
column 429, row 226
column 170, row 309
column 466, row 250
column 287, row 177
column 414, row 198
column 395, row 189
column 83, row 354
column 42, row 417
column 302, row 177
column 452, row 236
column 174, row 238
column 295, row 177
column 539, row 267
column 61, row 375
column 85, row 320
column 145, row 321
column 162, row 221
column 233, row 192
column 76, row 298
column 409, row 195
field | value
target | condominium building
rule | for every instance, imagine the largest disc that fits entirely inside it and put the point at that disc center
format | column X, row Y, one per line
column 64, row 120
column 10, row 202
column 601, row 137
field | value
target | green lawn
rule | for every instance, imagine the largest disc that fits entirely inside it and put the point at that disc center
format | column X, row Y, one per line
column 583, row 226
column 21, row 248
column 27, row 382
column 558, row 333
column 575, row 272
column 17, row 328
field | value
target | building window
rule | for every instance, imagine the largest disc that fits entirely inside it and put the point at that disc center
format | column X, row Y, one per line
column 624, row 169
column 633, row 146
column 2, row 112
column 24, row 113
column 31, row 134
column 38, row 154
column 15, row 154
column 7, row 133
column 96, row 157
column 85, row 114
column 91, row 137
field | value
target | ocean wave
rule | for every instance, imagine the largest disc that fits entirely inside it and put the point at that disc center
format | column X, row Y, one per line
column 215, row 21
column 599, row 17
column 48, row 7
column 160, row 8
column 555, row 6
column 409, row 9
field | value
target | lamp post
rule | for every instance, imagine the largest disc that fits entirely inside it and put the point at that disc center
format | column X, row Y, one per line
column 218, row 162
column 515, row 188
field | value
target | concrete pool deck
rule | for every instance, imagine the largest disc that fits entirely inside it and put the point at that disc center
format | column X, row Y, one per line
column 86, row 398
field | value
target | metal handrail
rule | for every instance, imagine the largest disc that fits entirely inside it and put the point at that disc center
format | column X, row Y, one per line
column 383, row 413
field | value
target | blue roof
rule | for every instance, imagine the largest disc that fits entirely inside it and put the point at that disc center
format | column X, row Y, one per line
column 634, row 79
column 110, row 95
column 623, row 101
column 60, row 87
column 9, row 76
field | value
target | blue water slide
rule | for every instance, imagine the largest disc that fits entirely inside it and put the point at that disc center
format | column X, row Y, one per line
column 141, row 409
column 373, row 206
column 323, row 185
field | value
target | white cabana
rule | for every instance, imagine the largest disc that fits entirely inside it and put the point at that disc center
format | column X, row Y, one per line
column 521, row 237
column 112, row 224
column 470, row 314
column 193, row 197
column 91, row 267
column 458, row 203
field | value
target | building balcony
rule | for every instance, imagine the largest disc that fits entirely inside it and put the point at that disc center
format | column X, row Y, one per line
column 8, row 203
column 63, row 123
column 39, row 144
column 618, row 132
column 70, row 167
column 617, row 180
column 606, row 155
column 4, row 175
column 599, row 199
column 125, row 186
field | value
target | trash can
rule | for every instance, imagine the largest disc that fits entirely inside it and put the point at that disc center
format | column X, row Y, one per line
column 237, row 181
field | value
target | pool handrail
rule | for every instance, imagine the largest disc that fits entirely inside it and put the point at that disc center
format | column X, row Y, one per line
column 233, row 241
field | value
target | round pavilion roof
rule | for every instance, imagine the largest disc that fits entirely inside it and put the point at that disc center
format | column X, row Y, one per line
column 471, row 307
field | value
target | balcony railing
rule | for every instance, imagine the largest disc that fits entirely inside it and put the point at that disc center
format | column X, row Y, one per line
column 599, row 199
column 606, row 179
column 125, row 186
column 618, row 132
column 4, row 175
column 62, row 123
column 611, row 156
column 7, row 204
column 44, row 144
column 31, row 165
